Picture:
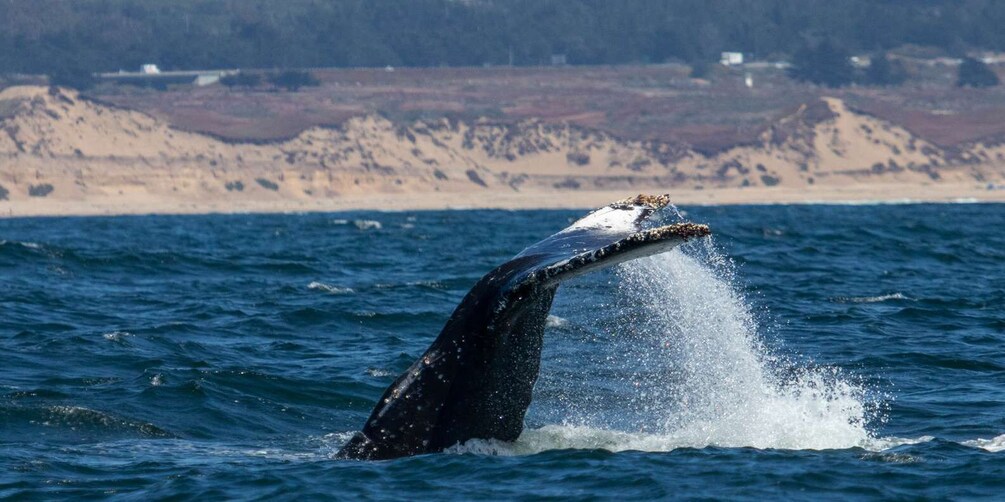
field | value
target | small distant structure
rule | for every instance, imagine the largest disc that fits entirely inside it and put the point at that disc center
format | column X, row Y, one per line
column 991, row 57
column 731, row 58
column 205, row 79
column 558, row 60
column 767, row 65
column 151, row 75
column 860, row 61
column 945, row 62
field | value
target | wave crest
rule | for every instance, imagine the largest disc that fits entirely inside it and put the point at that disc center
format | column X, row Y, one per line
column 872, row 299
column 329, row 288
column 994, row 445
column 579, row 437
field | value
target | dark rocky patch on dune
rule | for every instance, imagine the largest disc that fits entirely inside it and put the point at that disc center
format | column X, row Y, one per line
column 40, row 190
column 266, row 184
column 473, row 176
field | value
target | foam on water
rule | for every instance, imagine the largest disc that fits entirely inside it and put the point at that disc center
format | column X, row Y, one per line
column 578, row 437
column 873, row 299
column 329, row 288
column 367, row 224
column 994, row 445
column 553, row 321
column 116, row 336
column 379, row 372
column 29, row 245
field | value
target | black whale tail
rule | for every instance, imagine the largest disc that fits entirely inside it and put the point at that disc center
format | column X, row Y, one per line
column 475, row 380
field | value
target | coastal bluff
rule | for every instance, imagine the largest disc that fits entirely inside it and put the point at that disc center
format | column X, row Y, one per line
column 59, row 150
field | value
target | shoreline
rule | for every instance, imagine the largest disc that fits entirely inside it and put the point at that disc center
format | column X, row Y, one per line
column 140, row 204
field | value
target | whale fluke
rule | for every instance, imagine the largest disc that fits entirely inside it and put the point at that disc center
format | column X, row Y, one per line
column 475, row 380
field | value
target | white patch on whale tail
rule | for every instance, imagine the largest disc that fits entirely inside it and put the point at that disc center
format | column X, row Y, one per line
column 608, row 219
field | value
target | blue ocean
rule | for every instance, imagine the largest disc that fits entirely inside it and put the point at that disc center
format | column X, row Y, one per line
column 803, row 352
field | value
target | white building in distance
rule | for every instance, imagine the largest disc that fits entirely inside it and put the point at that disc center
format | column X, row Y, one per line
column 731, row 58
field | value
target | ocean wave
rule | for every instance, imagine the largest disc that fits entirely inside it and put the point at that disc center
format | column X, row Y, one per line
column 872, row 299
column 378, row 372
column 367, row 224
column 24, row 249
column 574, row 437
column 80, row 420
column 889, row 202
column 577, row 437
column 204, row 453
column 28, row 245
column 116, row 336
column 362, row 224
column 329, row 288
column 436, row 285
column 994, row 445
column 332, row 442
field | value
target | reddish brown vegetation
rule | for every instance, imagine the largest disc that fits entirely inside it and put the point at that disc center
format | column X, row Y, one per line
column 632, row 102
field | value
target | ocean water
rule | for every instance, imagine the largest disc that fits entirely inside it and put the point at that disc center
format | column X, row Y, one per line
column 805, row 352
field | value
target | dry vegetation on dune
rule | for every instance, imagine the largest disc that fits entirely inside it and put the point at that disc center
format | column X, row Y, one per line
column 631, row 102
column 640, row 103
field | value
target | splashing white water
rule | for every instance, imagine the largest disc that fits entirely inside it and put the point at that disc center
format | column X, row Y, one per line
column 367, row 224
column 726, row 389
column 700, row 376
column 578, row 437
column 116, row 336
column 994, row 445
column 553, row 321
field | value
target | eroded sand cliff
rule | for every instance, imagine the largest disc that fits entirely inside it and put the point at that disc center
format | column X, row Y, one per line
column 59, row 151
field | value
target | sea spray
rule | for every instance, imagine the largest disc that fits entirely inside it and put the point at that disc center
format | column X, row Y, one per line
column 727, row 388
column 686, row 367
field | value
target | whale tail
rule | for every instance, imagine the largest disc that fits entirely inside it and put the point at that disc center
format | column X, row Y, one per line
column 475, row 380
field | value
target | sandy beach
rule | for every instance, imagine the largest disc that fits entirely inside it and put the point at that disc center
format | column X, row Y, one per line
column 859, row 194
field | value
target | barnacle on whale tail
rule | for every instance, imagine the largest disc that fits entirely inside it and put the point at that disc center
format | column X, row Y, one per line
column 651, row 201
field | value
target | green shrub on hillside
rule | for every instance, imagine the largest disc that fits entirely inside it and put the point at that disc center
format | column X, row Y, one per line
column 973, row 73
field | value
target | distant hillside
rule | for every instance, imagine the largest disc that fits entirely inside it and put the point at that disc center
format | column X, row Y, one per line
column 58, row 36
column 57, row 145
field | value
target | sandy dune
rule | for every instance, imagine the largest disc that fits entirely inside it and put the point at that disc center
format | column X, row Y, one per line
column 62, row 154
